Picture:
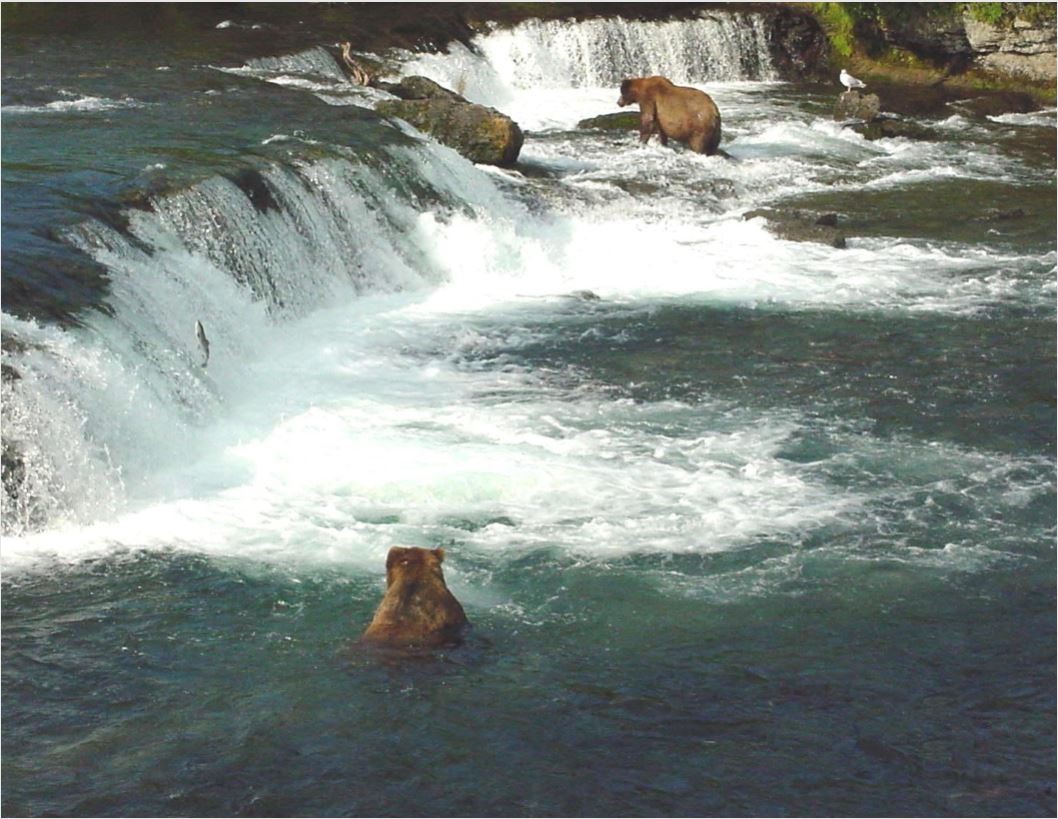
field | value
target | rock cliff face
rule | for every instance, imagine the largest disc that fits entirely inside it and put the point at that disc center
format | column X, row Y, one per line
column 1020, row 50
column 798, row 43
column 1024, row 50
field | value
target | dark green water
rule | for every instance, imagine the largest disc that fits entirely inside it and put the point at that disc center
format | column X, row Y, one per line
column 765, row 529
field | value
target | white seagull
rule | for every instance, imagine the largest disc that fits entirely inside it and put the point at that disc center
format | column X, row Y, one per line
column 850, row 81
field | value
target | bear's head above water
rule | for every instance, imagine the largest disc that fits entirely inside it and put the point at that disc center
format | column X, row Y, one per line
column 417, row 608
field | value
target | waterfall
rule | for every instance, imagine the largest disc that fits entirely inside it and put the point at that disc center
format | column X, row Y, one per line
column 714, row 47
column 314, row 62
column 93, row 412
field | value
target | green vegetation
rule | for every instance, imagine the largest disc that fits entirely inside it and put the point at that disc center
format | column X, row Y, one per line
column 858, row 27
column 885, row 41
column 986, row 12
column 840, row 25
column 1004, row 14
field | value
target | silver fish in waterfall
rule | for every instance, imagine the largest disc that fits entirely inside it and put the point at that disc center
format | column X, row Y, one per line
column 203, row 342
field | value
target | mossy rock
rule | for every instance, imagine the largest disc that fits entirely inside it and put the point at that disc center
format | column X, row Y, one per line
column 620, row 121
column 481, row 134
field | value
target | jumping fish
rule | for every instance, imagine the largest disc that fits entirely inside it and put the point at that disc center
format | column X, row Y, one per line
column 203, row 342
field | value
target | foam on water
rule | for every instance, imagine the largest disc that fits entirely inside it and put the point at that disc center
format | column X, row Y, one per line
column 355, row 428
column 345, row 407
column 76, row 105
column 139, row 405
column 374, row 446
column 315, row 70
column 1044, row 118
column 558, row 55
column 316, row 62
column 735, row 262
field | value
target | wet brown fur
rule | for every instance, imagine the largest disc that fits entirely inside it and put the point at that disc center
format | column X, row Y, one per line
column 674, row 111
column 417, row 608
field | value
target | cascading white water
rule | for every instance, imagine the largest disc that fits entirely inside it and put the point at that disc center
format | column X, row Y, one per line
column 98, row 410
column 323, row 425
column 315, row 62
column 714, row 47
column 713, row 500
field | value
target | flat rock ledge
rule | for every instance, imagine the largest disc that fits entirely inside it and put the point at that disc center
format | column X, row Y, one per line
column 483, row 135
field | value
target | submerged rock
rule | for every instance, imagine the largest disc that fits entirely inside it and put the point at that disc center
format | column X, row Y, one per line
column 1000, row 215
column 995, row 103
column 801, row 226
column 892, row 127
column 481, row 134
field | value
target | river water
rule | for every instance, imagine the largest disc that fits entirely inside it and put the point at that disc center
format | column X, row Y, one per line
column 743, row 526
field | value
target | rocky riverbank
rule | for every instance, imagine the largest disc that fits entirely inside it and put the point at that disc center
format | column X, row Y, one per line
column 959, row 47
column 1005, row 51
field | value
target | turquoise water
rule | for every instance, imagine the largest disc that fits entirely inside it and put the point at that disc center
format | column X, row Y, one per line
column 766, row 528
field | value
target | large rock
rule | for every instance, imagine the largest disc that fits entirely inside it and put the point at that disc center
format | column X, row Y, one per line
column 854, row 105
column 481, row 134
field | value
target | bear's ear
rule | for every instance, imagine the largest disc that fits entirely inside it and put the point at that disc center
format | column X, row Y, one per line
column 395, row 554
column 440, row 553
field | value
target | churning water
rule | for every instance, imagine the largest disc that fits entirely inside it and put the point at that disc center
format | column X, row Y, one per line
column 744, row 526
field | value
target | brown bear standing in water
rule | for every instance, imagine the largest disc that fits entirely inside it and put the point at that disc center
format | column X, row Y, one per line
column 684, row 114
column 417, row 609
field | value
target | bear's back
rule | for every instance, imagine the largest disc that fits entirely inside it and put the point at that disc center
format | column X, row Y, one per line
column 417, row 608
